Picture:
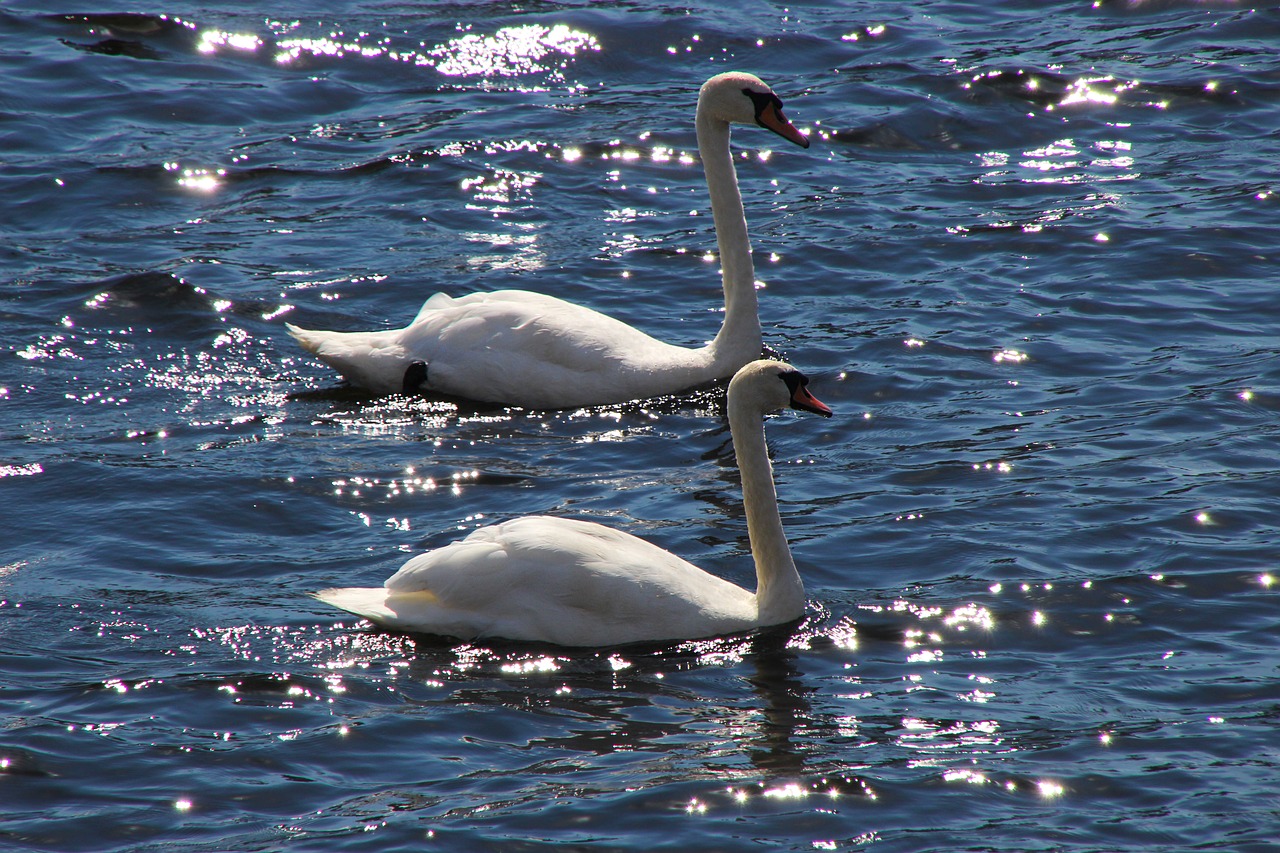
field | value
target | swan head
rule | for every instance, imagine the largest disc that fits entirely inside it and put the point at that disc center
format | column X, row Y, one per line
column 740, row 98
column 772, row 385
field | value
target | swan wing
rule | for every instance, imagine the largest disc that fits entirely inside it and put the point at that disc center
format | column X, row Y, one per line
column 435, row 302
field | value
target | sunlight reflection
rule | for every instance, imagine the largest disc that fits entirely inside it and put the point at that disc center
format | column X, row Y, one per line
column 501, row 186
column 290, row 50
column 1105, row 91
column 396, row 415
column 973, row 777
column 1043, row 159
column 288, row 646
column 719, row 651
column 970, row 615
column 394, row 487
column 936, row 739
column 618, row 245
column 528, row 256
column 511, row 51
column 1053, row 92
column 49, row 346
column 1050, row 789
column 530, row 666
column 958, row 619
column 828, row 788
column 789, row 791
column 201, row 180
column 844, row 634
column 1063, row 162
column 212, row 40
column 873, row 31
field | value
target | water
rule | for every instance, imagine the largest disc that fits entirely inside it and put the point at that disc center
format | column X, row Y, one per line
column 1029, row 260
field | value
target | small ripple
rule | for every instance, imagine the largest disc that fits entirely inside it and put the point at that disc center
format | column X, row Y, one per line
column 515, row 52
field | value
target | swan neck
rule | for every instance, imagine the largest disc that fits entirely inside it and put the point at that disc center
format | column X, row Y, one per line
column 779, row 589
column 739, row 339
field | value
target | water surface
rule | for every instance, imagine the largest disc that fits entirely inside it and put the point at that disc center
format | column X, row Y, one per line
column 1029, row 260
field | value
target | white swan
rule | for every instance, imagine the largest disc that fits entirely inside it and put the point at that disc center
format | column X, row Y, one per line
column 528, row 349
column 578, row 583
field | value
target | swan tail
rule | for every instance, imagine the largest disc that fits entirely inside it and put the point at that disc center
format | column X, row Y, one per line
column 369, row 602
column 372, row 360
column 309, row 339
column 418, row 609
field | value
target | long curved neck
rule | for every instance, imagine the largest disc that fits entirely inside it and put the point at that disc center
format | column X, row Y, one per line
column 739, row 339
column 779, row 590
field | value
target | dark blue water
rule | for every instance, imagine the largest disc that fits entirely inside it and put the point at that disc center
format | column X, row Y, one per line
column 1030, row 260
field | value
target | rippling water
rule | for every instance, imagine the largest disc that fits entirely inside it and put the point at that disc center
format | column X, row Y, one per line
column 1030, row 260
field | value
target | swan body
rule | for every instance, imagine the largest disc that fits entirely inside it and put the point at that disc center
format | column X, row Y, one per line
column 578, row 583
column 520, row 348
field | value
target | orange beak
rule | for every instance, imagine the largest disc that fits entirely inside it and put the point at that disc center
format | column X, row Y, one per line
column 806, row 402
column 772, row 118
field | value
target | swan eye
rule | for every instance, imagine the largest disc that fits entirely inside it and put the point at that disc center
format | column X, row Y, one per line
column 795, row 380
column 761, row 101
column 800, row 397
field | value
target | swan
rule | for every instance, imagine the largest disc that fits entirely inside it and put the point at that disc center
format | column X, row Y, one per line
column 527, row 349
column 578, row 583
